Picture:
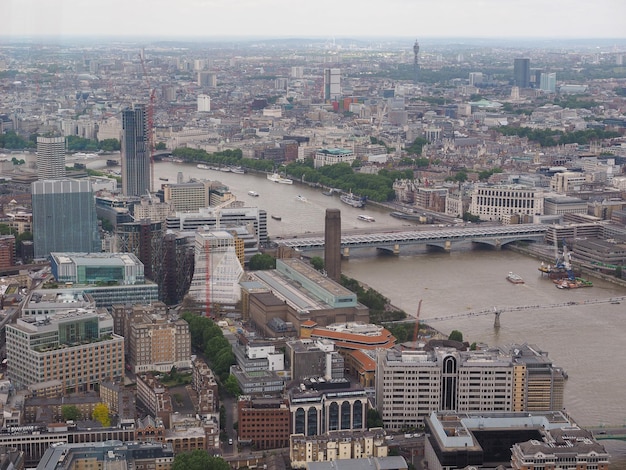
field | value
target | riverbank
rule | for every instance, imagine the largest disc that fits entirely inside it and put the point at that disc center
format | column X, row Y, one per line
column 542, row 254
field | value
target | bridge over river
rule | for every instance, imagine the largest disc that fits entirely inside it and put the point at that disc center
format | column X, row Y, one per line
column 443, row 238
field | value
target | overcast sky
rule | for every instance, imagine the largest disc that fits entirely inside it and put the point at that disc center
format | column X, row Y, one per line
column 315, row 18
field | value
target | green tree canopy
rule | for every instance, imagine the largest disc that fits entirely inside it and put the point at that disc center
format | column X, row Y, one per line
column 374, row 419
column 456, row 335
column 199, row 460
column 261, row 262
column 317, row 262
column 70, row 412
column 231, row 386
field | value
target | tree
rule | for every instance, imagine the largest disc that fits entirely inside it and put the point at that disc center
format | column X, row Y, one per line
column 160, row 146
column 317, row 262
column 262, row 261
column 199, row 460
column 373, row 419
column 70, row 412
column 232, row 386
column 101, row 413
column 456, row 335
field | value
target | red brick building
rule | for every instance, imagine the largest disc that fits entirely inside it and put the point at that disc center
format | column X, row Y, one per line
column 264, row 422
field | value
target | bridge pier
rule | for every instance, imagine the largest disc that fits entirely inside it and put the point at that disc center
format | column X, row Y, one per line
column 448, row 246
column 346, row 253
column 496, row 320
column 498, row 245
column 396, row 249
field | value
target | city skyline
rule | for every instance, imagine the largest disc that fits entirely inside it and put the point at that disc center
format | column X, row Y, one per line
column 279, row 18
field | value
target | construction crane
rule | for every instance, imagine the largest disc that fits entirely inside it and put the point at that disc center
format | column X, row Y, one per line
column 417, row 322
column 150, row 127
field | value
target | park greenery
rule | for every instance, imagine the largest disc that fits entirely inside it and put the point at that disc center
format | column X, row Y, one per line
column 198, row 460
column 207, row 337
column 261, row 262
column 13, row 141
column 553, row 137
column 378, row 187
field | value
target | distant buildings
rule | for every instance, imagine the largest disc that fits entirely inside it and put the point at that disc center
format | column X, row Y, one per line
column 135, row 156
column 64, row 217
column 547, row 82
column 204, row 103
column 50, row 157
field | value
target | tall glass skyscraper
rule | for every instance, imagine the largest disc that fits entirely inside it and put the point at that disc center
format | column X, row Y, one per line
column 332, row 84
column 64, row 217
column 50, row 157
column 135, row 152
column 521, row 72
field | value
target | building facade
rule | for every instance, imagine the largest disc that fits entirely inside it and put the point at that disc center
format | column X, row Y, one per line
column 50, row 158
column 263, row 422
column 135, row 157
column 504, row 202
column 77, row 347
column 64, row 217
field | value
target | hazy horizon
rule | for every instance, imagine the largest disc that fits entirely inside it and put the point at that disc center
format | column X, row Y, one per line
column 282, row 19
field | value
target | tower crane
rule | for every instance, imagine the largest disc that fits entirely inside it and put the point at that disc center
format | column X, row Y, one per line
column 150, row 126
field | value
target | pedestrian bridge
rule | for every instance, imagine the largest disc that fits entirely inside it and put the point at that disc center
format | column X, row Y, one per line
column 443, row 239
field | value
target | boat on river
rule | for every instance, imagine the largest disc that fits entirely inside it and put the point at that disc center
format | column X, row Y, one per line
column 514, row 278
column 253, row 194
column 575, row 283
column 405, row 215
column 365, row 218
column 277, row 217
column 352, row 199
column 202, row 166
column 277, row 178
column 301, row 198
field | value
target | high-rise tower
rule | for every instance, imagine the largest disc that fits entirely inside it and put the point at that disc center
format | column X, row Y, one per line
column 521, row 73
column 416, row 65
column 64, row 217
column 135, row 152
column 332, row 84
column 332, row 244
column 50, row 157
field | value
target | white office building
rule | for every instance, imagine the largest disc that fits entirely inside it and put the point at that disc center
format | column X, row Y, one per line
column 204, row 103
column 503, row 202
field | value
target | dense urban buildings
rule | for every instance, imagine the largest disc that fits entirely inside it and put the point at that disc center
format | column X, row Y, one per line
column 135, row 152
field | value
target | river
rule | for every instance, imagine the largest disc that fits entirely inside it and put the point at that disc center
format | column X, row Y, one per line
column 583, row 339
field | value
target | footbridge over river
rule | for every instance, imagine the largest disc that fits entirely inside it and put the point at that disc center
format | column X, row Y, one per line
column 443, row 238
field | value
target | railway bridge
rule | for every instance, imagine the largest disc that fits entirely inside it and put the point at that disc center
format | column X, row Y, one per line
column 442, row 239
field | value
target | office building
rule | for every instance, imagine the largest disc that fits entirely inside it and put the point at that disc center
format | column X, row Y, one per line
column 521, row 441
column 521, row 378
column 547, row 82
column 187, row 197
column 50, row 157
column 95, row 268
column 263, row 422
column 332, row 84
column 64, row 217
column 7, row 251
column 77, row 347
column 217, row 269
column 204, row 103
column 157, row 341
column 504, row 202
column 318, row 406
column 521, row 73
column 109, row 454
column 135, row 156
column 207, row 79
column 332, row 156
column 332, row 244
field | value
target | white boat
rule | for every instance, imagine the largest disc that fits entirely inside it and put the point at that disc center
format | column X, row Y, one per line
column 276, row 178
column 365, row 218
column 238, row 170
column 514, row 278
column 202, row 166
column 253, row 194
column 352, row 199
column 301, row 198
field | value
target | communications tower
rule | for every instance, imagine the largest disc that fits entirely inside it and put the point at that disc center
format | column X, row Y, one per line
column 416, row 65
